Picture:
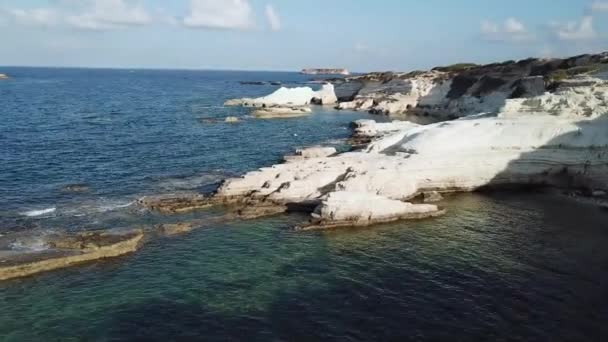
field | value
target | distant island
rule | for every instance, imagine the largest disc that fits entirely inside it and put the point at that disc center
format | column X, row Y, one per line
column 325, row 72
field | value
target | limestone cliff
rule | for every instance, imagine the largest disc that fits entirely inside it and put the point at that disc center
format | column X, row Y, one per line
column 461, row 89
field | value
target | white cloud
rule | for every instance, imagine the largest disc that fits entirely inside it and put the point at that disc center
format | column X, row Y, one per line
column 514, row 26
column 599, row 6
column 34, row 16
column 92, row 14
column 573, row 30
column 273, row 18
column 220, row 14
column 110, row 14
column 512, row 30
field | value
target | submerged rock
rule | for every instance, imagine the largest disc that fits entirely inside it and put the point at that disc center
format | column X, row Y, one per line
column 76, row 188
column 170, row 229
column 175, row 203
column 69, row 250
column 281, row 112
column 253, row 82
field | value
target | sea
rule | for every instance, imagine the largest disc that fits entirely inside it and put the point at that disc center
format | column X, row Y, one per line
column 78, row 147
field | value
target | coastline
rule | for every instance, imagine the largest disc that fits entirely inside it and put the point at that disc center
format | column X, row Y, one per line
column 365, row 186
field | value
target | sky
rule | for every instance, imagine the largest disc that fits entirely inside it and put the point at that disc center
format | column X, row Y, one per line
column 361, row 35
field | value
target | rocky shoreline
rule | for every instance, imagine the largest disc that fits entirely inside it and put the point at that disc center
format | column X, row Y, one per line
column 503, row 125
column 535, row 122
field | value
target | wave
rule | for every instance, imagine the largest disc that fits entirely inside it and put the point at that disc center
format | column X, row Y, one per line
column 39, row 212
column 83, row 209
column 96, row 207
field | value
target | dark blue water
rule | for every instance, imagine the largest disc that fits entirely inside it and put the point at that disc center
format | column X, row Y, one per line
column 497, row 267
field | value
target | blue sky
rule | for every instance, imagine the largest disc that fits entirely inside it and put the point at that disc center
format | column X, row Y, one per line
column 291, row 34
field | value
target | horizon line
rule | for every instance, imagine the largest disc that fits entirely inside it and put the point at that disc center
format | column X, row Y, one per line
column 162, row 68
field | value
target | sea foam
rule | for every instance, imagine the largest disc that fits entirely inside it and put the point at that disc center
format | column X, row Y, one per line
column 39, row 212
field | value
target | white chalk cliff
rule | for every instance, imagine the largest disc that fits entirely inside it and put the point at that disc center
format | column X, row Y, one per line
column 462, row 89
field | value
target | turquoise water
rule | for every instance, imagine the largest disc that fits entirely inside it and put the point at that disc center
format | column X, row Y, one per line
column 505, row 266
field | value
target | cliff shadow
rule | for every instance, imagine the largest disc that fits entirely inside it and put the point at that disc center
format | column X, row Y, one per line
column 576, row 160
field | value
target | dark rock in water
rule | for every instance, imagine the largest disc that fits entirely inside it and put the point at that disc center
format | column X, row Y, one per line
column 252, row 82
column 76, row 188
column 173, row 204
column 276, row 83
column 68, row 250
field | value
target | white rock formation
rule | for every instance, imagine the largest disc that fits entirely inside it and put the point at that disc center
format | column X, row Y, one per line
column 362, row 209
column 545, row 147
column 289, row 97
column 325, row 96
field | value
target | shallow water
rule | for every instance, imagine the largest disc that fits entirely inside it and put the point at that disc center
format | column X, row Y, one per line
column 507, row 266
